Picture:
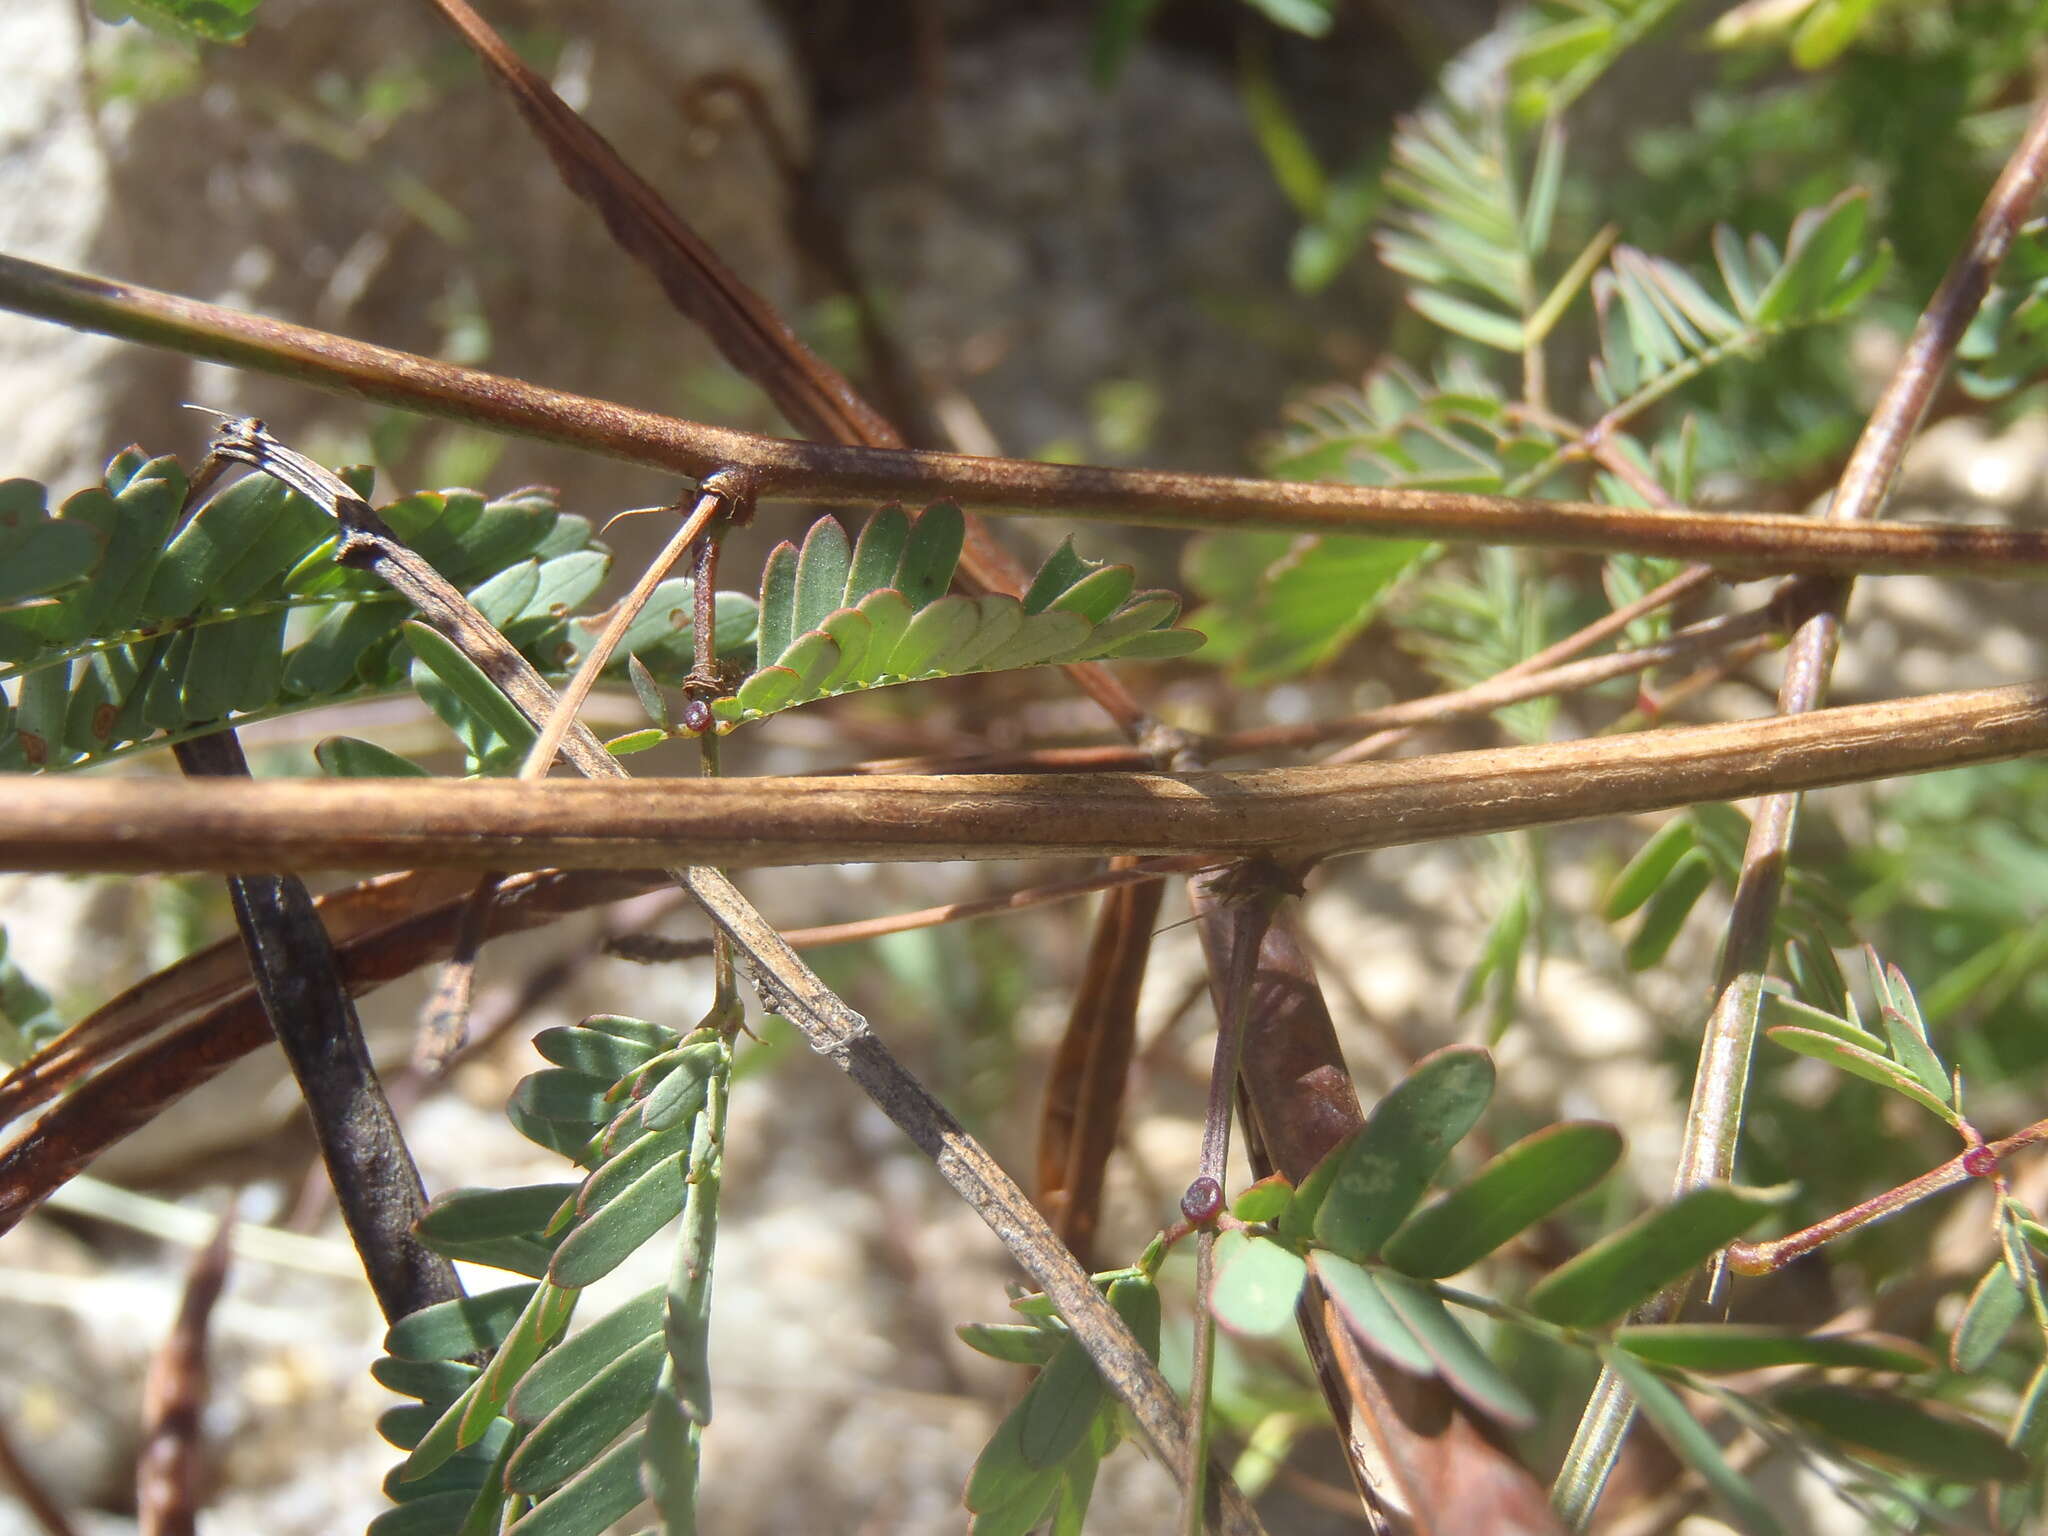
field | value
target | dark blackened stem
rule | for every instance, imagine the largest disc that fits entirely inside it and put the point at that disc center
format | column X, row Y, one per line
column 376, row 1183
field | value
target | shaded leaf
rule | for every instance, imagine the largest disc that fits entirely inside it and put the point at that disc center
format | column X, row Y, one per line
column 1711, row 1347
column 1936, row 1440
column 578, row 1359
column 450, row 1330
column 582, row 1425
column 1459, row 1360
column 607, row 1491
column 609, row 1236
column 1862, row 1063
column 1995, row 1305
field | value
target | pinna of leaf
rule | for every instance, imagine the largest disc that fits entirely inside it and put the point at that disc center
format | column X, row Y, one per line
column 838, row 617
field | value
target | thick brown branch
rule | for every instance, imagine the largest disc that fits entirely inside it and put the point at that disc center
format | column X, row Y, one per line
column 1292, row 814
column 840, row 475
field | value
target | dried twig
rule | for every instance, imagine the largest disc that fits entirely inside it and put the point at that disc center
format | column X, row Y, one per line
column 169, row 1472
column 1290, row 814
column 835, row 475
column 36, row 1501
column 1084, row 1092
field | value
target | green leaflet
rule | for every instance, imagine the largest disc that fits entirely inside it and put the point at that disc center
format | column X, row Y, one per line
column 1257, row 1283
column 1660, row 326
column 582, row 1356
column 1938, row 1440
column 1352, row 1201
column 1515, row 1190
column 37, row 552
column 1634, row 1263
column 588, row 1420
column 1710, row 1347
column 1371, row 1316
column 835, row 619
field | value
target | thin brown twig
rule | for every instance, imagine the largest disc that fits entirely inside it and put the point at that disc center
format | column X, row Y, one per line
column 838, row 475
column 1082, row 1106
column 650, row 949
column 36, row 1500
column 169, row 1473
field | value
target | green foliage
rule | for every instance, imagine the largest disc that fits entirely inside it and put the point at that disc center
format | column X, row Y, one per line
column 1901, row 1059
column 548, row 1433
column 209, row 21
column 1043, row 1457
column 1467, row 230
column 838, row 618
column 127, row 629
column 1572, row 43
column 241, row 613
column 2006, row 346
column 28, row 1017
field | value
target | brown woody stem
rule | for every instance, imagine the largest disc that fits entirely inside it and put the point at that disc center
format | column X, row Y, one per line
column 843, row 475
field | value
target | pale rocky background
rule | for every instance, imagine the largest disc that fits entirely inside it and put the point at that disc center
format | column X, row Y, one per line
column 1032, row 243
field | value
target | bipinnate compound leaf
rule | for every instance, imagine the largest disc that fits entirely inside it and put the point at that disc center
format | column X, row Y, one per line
column 1366, row 1186
column 1633, row 1264
column 1257, row 1284
column 1684, row 1434
column 1718, row 1347
column 1925, row 1436
column 1511, row 1193
column 1368, row 1312
column 834, row 620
